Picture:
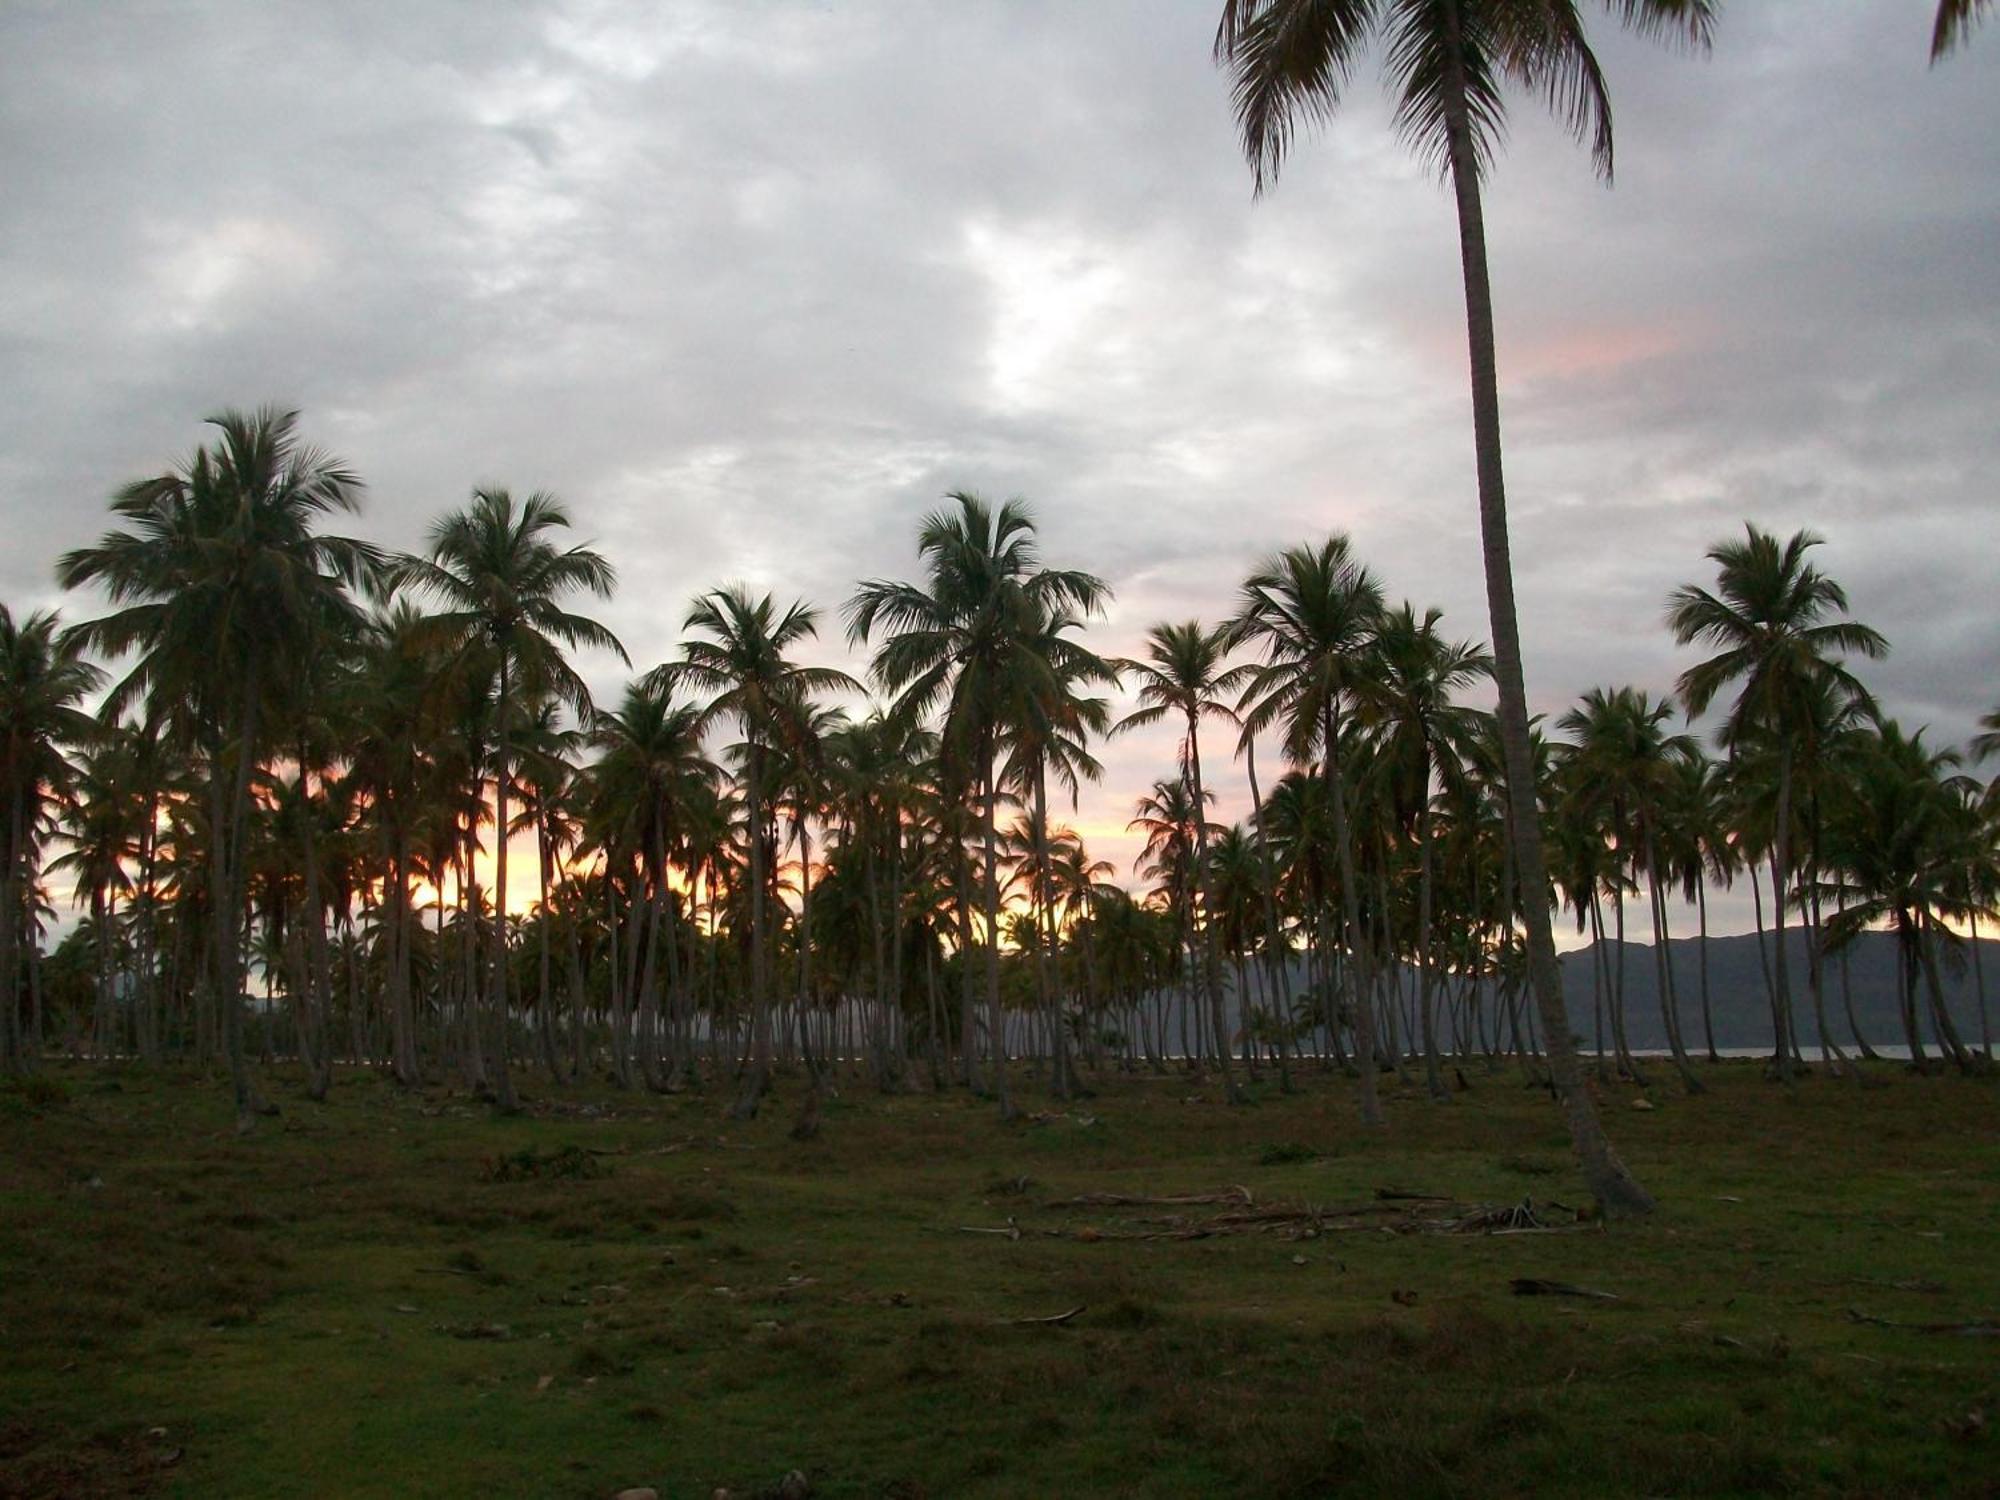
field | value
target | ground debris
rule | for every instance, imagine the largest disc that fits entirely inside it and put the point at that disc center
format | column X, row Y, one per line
column 1391, row 1212
column 1536, row 1286
column 496, row 1332
column 1236, row 1195
column 1978, row 1329
column 1011, row 1232
column 1051, row 1321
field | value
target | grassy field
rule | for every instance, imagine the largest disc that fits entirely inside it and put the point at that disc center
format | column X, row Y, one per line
column 404, row 1295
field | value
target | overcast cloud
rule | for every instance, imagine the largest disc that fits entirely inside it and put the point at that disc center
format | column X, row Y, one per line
column 752, row 285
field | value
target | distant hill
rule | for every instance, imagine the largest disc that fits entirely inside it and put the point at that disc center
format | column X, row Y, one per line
column 1739, row 1000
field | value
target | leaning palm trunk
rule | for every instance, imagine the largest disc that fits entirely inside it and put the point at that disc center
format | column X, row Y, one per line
column 1941, row 1021
column 1615, row 1188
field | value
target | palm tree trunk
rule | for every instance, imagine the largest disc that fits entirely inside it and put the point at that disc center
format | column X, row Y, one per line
column 402, row 1020
column 961, row 875
column 1847, row 992
column 621, row 1030
column 1064, row 1070
column 1276, row 955
column 15, row 1058
column 1357, row 970
column 319, row 973
column 1663, row 966
column 996, row 1018
column 1906, row 989
column 1979, row 983
column 1947, row 1030
column 1205, row 888
column 1707, row 1013
column 545, row 1024
column 228, row 836
column 1616, row 1189
column 1433, row 1080
column 503, row 1080
column 757, row 1077
column 1781, row 993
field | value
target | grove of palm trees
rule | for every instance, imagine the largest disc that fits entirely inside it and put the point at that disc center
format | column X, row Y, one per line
column 447, row 1047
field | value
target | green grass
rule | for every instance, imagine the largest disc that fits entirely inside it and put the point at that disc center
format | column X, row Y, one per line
column 404, row 1295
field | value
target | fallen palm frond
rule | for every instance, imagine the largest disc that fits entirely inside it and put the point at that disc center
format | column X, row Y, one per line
column 1130, row 1200
column 1056, row 1319
column 1389, row 1213
column 1982, row 1329
column 1536, row 1286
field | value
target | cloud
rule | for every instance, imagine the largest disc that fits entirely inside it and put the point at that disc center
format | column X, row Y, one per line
column 751, row 287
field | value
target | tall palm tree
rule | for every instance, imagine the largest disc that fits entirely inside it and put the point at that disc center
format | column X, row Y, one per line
column 1449, row 60
column 740, row 656
column 1182, row 674
column 501, row 577
column 1313, row 611
column 972, row 643
column 43, row 680
column 1774, row 622
column 222, row 585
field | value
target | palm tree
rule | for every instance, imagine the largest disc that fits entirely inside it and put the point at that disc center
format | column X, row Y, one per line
column 1313, row 613
column 974, row 642
column 743, row 662
column 1407, row 700
column 1625, row 770
column 1181, row 674
column 651, row 763
column 501, row 578
column 1898, row 832
column 1987, row 741
column 389, row 746
column 1773, row 621
column 1175, row 826
column 1955, row 20
column 1698, row 853
column 43, row 679
column 1048, row 728
column 223, row 587
column 1448, row 61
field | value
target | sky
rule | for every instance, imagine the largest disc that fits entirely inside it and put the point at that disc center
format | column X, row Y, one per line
column 752, row 285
